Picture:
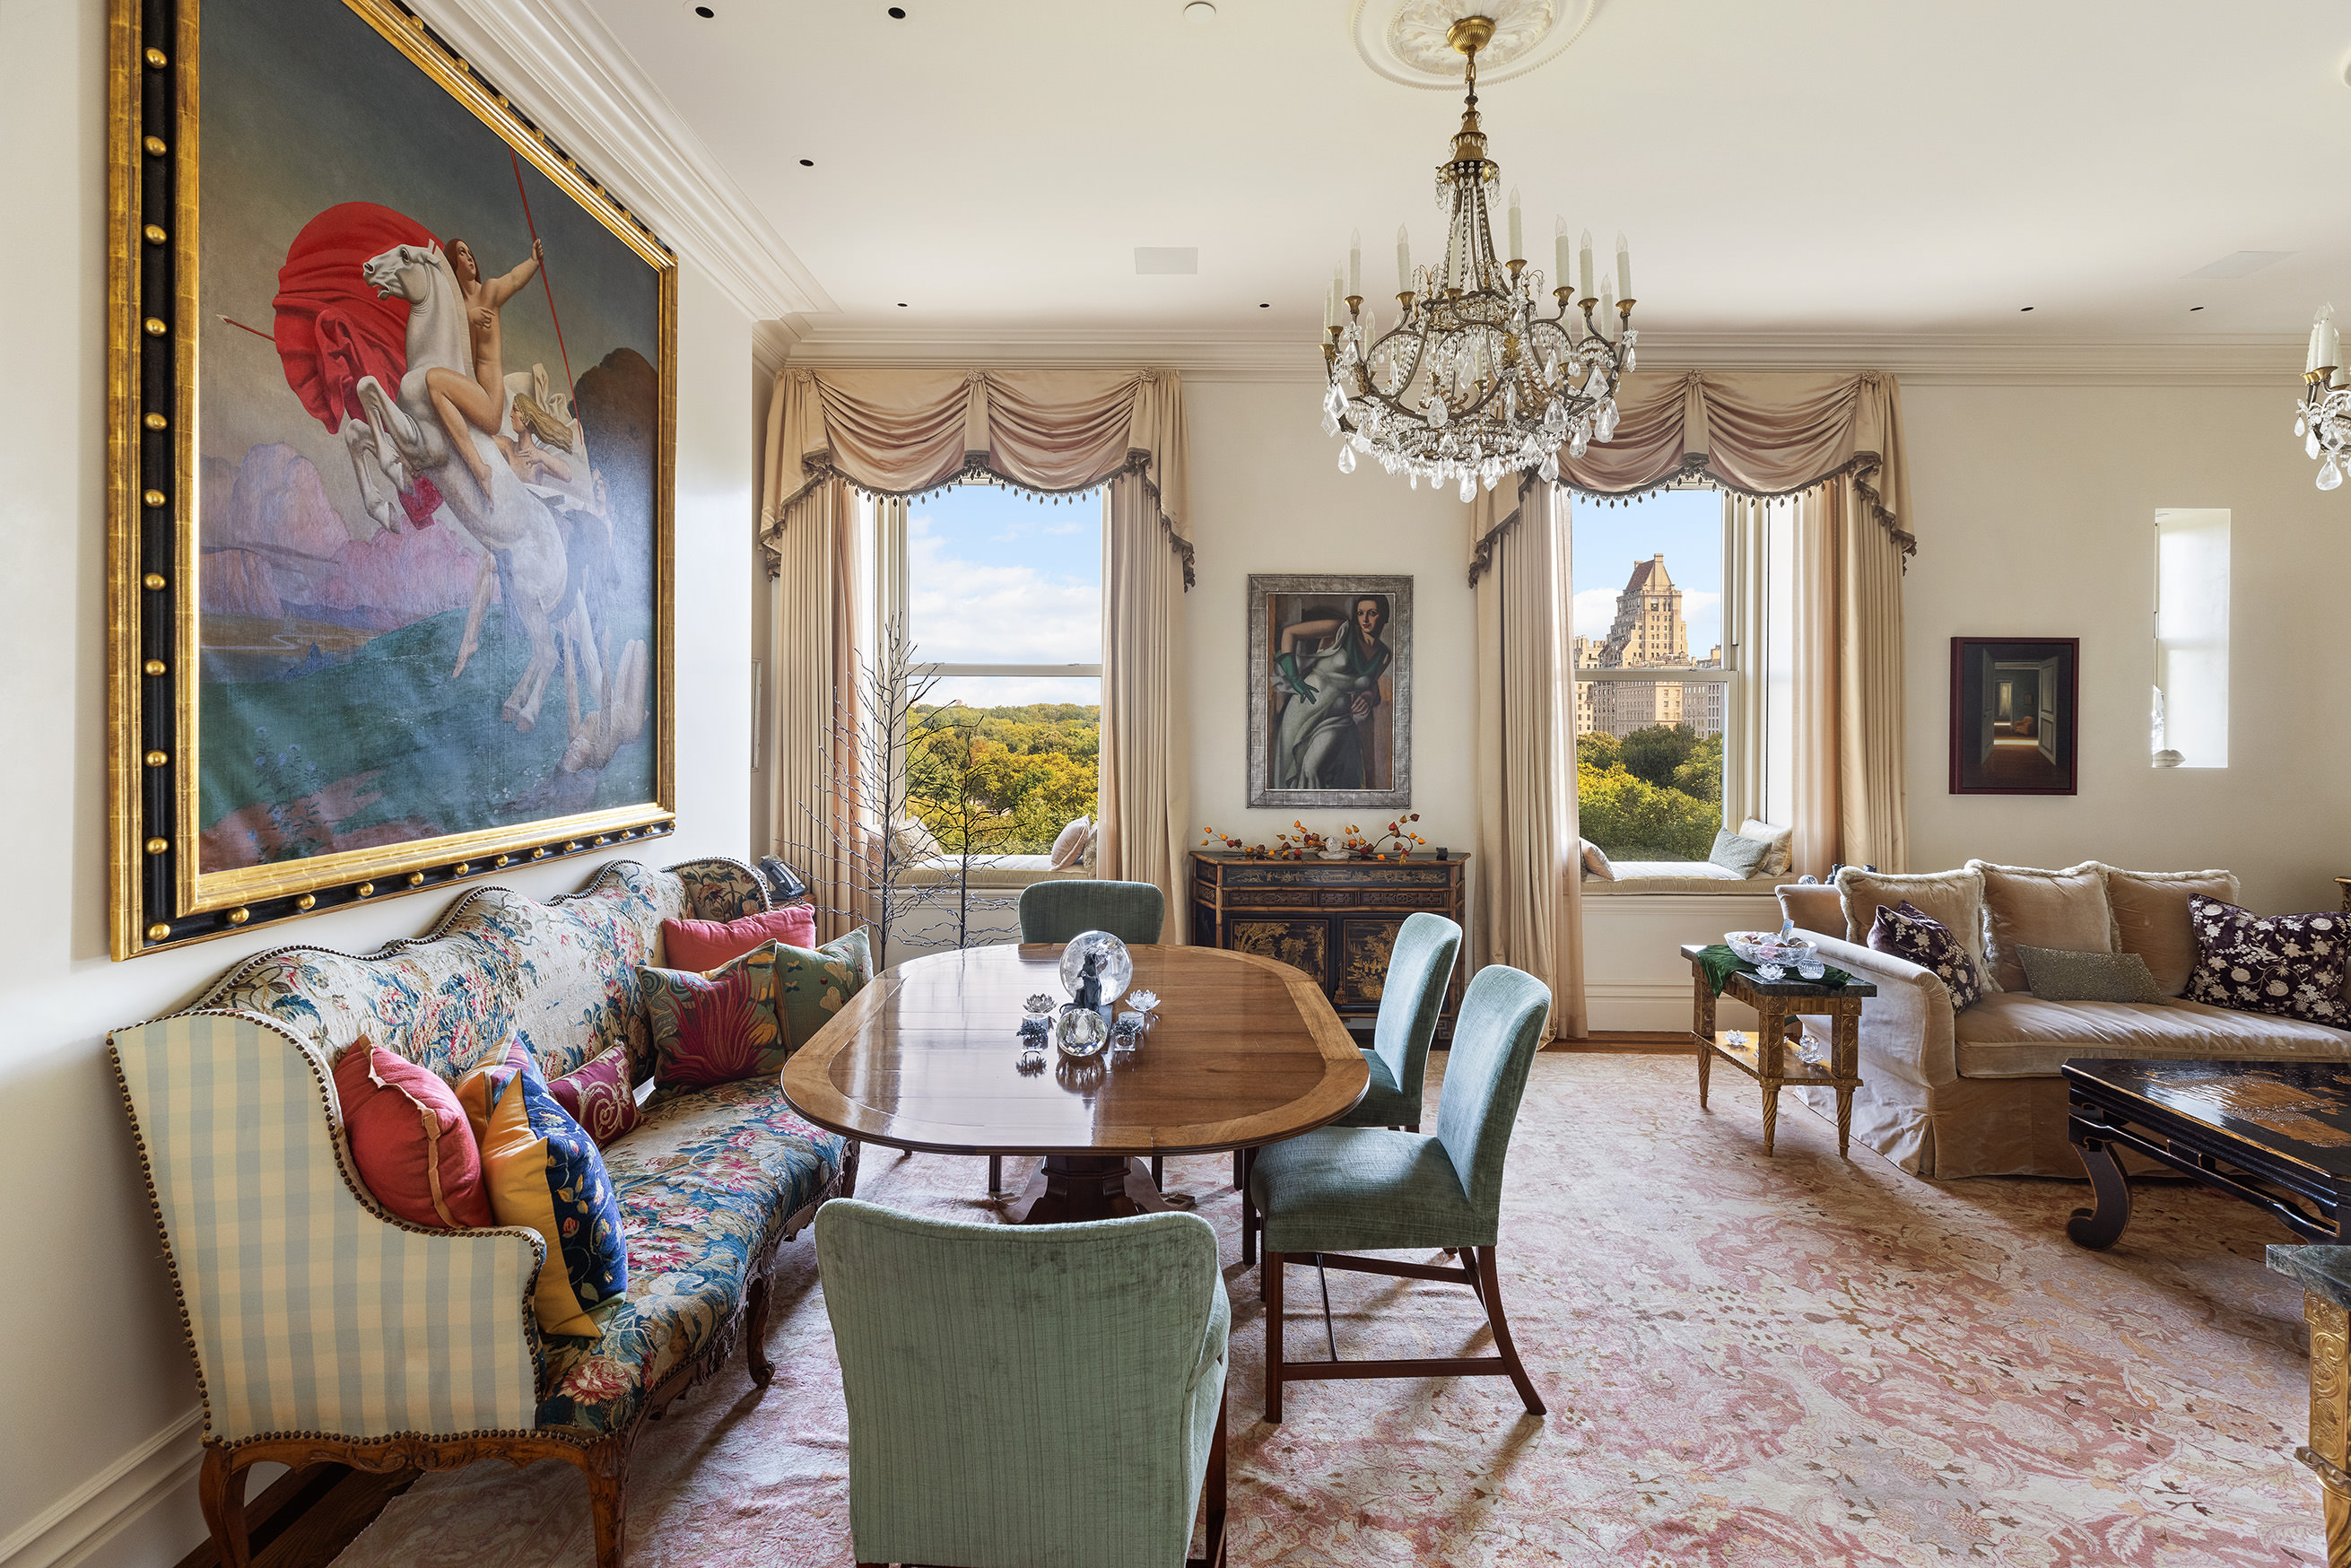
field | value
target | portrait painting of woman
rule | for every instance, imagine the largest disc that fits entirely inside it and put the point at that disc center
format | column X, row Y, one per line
column 1330, row 691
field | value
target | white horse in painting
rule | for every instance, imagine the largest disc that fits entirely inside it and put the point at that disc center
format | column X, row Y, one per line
column 403, row 440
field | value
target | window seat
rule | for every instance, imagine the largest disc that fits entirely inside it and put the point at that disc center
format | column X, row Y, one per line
column 1677, row 877
column 990, row 870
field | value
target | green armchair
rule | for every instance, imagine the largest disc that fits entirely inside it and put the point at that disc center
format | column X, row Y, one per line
column 1340, row 1189
column 1029, row 1396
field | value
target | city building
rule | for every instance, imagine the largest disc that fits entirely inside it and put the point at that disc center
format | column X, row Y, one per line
column 1649, row 633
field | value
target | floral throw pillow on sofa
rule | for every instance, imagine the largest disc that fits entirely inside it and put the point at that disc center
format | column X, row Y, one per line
column 1907, row 932
column 2288, row 964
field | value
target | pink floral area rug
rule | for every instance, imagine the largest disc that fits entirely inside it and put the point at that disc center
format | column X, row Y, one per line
column 1750, row 1362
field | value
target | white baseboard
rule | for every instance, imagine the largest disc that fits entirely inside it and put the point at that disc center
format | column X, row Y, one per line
column 78, row 1526
column 1649, row 1006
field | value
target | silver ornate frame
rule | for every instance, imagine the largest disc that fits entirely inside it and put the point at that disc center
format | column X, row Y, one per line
column 1261, row 792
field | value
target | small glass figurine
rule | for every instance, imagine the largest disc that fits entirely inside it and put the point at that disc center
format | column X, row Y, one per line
column 1810, row 968
column 1105, row 957
column 1039, row 1006
column 1079, row 1034
column 1769, row 974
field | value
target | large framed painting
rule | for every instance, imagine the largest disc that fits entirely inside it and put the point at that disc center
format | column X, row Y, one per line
column 2014, row 728
column 393, row 396
column 1330, row 691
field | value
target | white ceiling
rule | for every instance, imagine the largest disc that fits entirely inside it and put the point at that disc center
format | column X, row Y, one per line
column 1810, row 166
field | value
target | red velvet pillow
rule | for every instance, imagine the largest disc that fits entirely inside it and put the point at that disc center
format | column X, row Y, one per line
column 599, row 1096
column 409, row 1139
column 702, row 946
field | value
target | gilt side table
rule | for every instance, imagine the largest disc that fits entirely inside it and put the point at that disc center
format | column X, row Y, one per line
column 1769, row 1056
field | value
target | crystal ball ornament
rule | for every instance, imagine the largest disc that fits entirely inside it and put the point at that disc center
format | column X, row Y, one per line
column 1079, row 1034
column 1113, row 966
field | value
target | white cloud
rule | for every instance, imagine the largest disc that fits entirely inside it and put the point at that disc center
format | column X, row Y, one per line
column 967, row 612
column 1595, row 610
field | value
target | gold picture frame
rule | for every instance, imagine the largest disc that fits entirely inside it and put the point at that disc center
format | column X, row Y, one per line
column 163, row 893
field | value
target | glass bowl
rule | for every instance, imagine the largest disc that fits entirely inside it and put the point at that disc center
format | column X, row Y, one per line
column 1760, row 947
column 1114, row 966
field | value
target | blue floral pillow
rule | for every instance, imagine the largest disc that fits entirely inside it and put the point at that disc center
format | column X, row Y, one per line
column 1908, row 933
column 2290, row 966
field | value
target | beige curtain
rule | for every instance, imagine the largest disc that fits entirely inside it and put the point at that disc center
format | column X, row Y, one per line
column 903, row 433
column 813, row 820
column 1528, row 893
column 1851, row 801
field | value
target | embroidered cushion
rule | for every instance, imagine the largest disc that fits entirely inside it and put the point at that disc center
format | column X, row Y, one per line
column 2055, row 976
column 1906, row 932
column 716, row 1027
column 1069, row 845
column 543, row 1172
column 1781, row 840
column 599, row 1096
column 2287, row 965
column 1737, row 852
column 814, row 983
column 702, row 946
column 1955, row 898
column 410, row 1141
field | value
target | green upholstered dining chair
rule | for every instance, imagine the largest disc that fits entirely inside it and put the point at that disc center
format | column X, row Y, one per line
column 1340, row 1188
column 1029, row 1396
column 1133, row 912
column 1420, row 967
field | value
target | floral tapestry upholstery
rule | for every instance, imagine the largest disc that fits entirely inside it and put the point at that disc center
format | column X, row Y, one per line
column 722, row 889
column 704, row 1184
column 562, row 975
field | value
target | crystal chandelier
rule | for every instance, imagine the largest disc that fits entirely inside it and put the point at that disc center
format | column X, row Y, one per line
column 2324, row 422
column 1472, row 383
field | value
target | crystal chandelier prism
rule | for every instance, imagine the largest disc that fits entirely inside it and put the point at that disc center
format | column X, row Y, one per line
column 1473, row 381
column 2325, row 420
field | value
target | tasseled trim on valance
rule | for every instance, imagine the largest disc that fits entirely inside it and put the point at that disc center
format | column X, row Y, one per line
column 1861, row 470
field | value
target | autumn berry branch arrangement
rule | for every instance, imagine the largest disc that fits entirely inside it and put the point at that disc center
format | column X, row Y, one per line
column 1309, row 843
column 1397, row 843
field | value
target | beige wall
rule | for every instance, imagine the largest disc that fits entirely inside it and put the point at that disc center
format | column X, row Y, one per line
column 97, row 1392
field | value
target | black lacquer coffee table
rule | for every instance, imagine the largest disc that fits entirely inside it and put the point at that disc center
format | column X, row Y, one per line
column 2275, row 1133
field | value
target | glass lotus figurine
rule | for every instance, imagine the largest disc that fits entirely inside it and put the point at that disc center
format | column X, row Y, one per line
column 1096, row 968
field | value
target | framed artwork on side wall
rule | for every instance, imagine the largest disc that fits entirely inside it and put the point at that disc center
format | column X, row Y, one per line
column 1330, row 691
column 391, row 400
column 2015, row 727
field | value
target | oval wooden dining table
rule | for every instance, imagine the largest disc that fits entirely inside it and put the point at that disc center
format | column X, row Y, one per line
column 928, row 1057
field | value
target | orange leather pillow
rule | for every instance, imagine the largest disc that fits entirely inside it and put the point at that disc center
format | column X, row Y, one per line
column 409, row 1139
column 701, row 945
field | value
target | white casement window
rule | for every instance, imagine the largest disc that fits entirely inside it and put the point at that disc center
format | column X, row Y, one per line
column 1674, row 697
column 1000, row 594
column 2190, row 721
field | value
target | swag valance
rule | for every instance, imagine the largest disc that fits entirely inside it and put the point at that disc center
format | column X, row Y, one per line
column 906, row 432
column 1760, row 433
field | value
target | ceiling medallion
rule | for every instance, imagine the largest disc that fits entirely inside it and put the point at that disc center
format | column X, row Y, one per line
column 1406, row 40
column 1472, row 382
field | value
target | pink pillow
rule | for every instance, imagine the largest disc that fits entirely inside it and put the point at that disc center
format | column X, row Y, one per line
column 701, row 945
column 599, row 1095
column 409, row 1139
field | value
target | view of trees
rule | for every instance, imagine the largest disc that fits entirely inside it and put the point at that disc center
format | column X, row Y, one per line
column 1653, row 794
column 1003, row 780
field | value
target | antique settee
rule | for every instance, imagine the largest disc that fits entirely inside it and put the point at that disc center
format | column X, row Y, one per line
column 1979, row 1093
column 324, row 1329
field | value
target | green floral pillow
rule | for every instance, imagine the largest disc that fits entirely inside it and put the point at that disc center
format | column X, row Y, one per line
column 718, row 1027
column 814, row 983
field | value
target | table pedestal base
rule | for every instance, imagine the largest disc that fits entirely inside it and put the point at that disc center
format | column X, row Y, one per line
column 1074, row 1188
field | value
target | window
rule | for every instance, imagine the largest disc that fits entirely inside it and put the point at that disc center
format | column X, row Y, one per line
column 2190, row 716
column 1002, row 597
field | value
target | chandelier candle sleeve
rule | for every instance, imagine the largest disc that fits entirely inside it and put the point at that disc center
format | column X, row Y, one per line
column 1561, row 247
column 1518, row 235
column 1355, row 264
column 1404, row 260
column 1624, row 267
column 1585, row 261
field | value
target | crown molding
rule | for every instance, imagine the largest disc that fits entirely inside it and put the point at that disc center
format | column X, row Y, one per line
column 1922, row 358
column 564, row 68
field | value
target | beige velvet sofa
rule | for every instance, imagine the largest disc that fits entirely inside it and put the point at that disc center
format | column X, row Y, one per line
column 1978, row 1093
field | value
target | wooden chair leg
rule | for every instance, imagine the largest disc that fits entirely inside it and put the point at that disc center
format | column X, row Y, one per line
column 1159, row 1172
column 220, row 1493
column 1490, row 1292
column 1272, row 1273
column 607, row 1465
column 995, row 1176
column 1212, row 1491
column 1243, row 1164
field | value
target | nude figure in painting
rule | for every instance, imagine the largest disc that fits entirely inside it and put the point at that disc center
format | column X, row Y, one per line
column 481, row 401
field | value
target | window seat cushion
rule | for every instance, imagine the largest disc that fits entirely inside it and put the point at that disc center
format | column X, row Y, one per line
column 1676, row 876
column 995, row 870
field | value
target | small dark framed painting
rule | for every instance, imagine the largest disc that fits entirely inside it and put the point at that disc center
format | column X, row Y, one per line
column 2015, row 729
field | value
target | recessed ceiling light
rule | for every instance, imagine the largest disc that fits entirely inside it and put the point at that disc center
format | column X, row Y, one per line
column 1199, row 11
column 1266, row 307
column 2024, row 308
column 2193, row 308
column 704, row 12
column 902, row 305
column 897, row 12
column 807, row 162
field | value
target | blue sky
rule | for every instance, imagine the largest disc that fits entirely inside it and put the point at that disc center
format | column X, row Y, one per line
column 1687, row 525
column 996, row 576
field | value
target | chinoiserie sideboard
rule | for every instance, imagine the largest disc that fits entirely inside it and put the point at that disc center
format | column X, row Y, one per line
column 1336, row 920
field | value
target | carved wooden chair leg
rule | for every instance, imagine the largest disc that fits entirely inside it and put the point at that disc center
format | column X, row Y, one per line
column 1212, row 1492
column 1490, row 1292
column 220, row 1491
column 995, row 1176
column 1270, row 1273
column 849, row 1169
column 755, row 1324
column 1159, row 1172
column 607, row 1466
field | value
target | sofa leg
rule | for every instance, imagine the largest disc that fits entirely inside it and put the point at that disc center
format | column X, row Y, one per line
column 607, row 1466
column 220, row 1493
column 755, row 1324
